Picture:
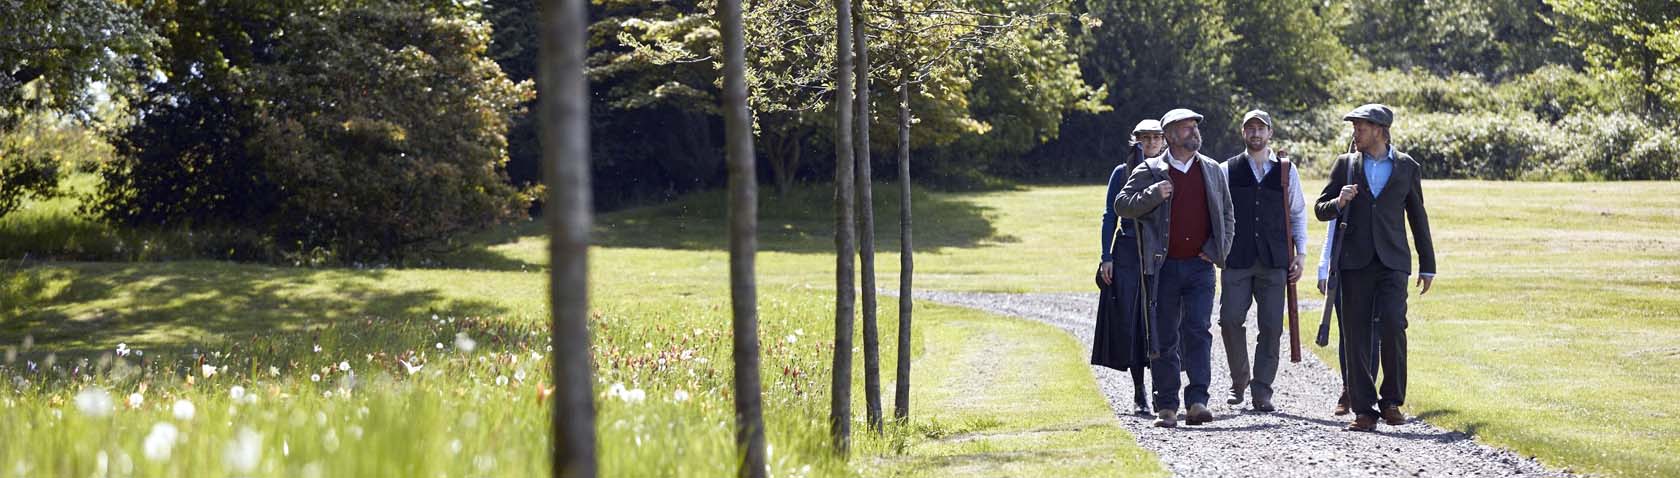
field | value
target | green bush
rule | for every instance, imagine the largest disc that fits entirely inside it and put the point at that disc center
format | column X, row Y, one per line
column 1476, row 145
column 1554, row 92
column 1619, row 146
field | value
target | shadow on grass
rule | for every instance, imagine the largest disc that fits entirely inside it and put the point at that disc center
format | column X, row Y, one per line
column 802, row 221
column 86, row 308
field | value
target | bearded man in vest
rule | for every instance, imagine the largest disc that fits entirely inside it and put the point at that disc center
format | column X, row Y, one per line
column 1261, row 259
column 1182, row 204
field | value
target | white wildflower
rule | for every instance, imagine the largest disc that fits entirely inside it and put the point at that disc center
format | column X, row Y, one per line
column 208, row 370
column 410, row 368
column 314, row 377
column 501, row 380
column 237, row 393
column 160, row 443
column 135, row 400
column 94, row 402
column 243, row 453
column 184, row 410
column 344, row 366
column 464, row 343
column 680, row 395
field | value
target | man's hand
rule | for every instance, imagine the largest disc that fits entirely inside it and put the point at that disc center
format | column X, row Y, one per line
column 1107, row 271
column 1348, row 192
column 1321, row 284
column 1165, row 188
column 1295, row 268
column 1425, row 282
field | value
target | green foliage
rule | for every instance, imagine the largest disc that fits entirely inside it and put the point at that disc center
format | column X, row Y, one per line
column 1632, row 43
column 59, row 47
column 1480, row 145
column 384, row 125
column 1490, row 38
column 1619, row 146
column 347, row 132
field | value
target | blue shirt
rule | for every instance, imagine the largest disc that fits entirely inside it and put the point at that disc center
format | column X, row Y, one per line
column 1377, row 171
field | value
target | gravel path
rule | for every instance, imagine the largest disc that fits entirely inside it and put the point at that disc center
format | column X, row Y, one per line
column 1301, row 439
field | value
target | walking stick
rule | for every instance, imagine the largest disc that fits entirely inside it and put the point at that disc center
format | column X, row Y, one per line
column 1144, row 291
column 1332, row 285
column 1289, row 241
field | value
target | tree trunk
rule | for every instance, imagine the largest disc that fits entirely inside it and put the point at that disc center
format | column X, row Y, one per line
column 866, row 226
column 901, row 390
column 743, row 244
column 840, row 412
column 565, row 142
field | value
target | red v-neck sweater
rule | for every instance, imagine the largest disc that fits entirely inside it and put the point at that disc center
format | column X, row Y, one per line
column 1189, row 228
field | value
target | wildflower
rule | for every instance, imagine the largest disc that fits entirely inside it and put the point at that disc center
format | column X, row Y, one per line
column 680, row 395
column 208, row 370
column 244, row 452
column 635, row 395
column 791, row 338
column 536, row 356
column 184, row 410
column 314, row 377
column 344, row 366
column 438, row 345
column 135, row 399
column 273, row 371
column 409, row 367
column 160, row 443
column 94, row 402
column 501, row 380
column 519, row 375
column 465, row 343
column 122, row 349
column 237, row 393
column 317, row 348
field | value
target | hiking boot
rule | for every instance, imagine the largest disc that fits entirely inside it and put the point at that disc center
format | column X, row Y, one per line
column 1166, row 418
column 1342, row 404
column 1263, row 405
column 1392, row 416
column 1363, row 423
column 1197, row 414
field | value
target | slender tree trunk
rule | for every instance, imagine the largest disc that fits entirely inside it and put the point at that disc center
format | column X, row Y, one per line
column 565, row 143
column 906, row 265
column 866, row 226
column 743, row 244
column 840, row 413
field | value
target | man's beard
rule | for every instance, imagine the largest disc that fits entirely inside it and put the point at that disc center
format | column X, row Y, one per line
column 1256, row 144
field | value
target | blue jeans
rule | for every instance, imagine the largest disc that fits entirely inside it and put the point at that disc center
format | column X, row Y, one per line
column 1179, row 327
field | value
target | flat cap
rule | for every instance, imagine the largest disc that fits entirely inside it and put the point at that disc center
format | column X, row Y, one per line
column 1178, row 115
column 1373, row 112
column 1147, row 126
column 1257, row 114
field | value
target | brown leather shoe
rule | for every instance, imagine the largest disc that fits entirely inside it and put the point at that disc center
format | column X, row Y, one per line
column 1342, row 404
column 1363, row 423
column 1392, row 416
column 1197, row 414
column 1166, row 418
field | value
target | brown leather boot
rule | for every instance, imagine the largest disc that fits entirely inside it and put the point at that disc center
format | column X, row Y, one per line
column 1392, row 416
column 1342, row 404
column 1363, row 423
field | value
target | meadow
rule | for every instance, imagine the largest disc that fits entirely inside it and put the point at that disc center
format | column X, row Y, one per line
column 1552, row 330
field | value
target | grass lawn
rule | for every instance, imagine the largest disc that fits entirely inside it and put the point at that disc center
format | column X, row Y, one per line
column 312, row 372
column 1552, row 330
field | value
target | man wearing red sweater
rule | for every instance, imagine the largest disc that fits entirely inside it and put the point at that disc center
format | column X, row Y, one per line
column 1182, row 203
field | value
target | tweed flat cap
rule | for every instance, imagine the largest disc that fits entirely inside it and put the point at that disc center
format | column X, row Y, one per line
column 1373, row 112
column 1180, row 114
column 1257, row 114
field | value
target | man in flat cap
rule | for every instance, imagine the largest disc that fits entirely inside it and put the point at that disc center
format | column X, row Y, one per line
column 1262, row 258
column 1375, row 193
column 1119, row 342
column 1182, row 204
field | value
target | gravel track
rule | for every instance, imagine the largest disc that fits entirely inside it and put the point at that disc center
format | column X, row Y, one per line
column 1302, row 438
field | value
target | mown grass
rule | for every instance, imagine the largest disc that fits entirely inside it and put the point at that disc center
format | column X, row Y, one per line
column 661, row 339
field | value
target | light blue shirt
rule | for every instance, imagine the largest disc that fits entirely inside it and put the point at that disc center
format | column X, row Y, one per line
column 1377, row 171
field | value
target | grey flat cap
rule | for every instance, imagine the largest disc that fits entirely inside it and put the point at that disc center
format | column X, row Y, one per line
column 1373, row 112
column 1178, row 115
column 1257, row 114
column 1147, row 126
